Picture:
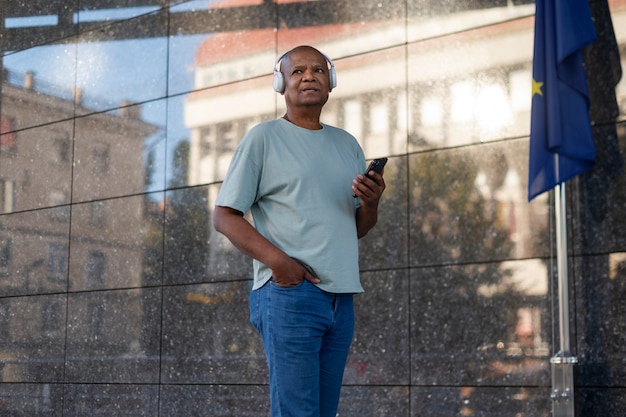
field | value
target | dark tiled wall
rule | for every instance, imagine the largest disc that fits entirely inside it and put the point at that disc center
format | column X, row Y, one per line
column 117, row 298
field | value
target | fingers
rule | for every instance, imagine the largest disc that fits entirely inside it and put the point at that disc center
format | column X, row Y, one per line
column 292, row 272
column 310, row 277
column 369, row 186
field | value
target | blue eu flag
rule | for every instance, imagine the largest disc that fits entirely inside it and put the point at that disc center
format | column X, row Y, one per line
column 561, row 142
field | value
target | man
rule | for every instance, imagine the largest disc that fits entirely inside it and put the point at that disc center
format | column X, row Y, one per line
column 303, row 182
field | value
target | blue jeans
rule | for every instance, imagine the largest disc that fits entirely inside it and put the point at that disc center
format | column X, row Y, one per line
column 306, row 333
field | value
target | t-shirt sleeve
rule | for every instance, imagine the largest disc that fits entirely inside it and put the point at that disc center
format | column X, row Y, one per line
column 361, row 158
column 240, row 186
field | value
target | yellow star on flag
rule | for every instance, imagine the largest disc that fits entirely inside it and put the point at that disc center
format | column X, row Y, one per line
column 537, row 88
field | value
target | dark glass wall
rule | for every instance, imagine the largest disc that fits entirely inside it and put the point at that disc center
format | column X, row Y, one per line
column 119, row 119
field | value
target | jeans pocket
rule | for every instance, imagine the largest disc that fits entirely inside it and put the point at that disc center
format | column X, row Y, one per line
column 288, row 287
column 255, row 309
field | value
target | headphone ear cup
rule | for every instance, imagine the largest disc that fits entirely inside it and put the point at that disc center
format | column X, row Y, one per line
column 332, row 77
column 278, row 82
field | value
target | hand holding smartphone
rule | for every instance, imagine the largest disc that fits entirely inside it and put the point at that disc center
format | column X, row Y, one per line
column 376, row 165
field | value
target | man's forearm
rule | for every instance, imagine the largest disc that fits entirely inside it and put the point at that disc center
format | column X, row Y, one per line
column 285, row 270
column 244, row 236
column 366, row 219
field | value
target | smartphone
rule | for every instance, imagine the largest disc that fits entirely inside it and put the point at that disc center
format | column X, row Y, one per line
column 376, row 165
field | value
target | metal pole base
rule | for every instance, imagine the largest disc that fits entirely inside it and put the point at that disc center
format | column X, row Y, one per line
column 562, row 385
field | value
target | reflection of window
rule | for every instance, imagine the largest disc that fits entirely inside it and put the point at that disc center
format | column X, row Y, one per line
column 7, row 137
column 5, row 315
column 207, row 79
column 100, row 155
column 51, row 316
column 226, row 139
column 492, row 110
column 97, row 213
column 462, row 96
column 403, row 117
column 6, row 255
column 7, row 196
column 353, row 119
column 206, row 140
column 95, row 317
column 58, row 198
column 95, row 269
column 431, row 111
column 62, row 148
column 57, row 262
column 379, row 118
column 519, row 82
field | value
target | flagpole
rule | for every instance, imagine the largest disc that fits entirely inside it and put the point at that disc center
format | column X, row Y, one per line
column 560, row 131
column 562, row 363
column 560, row 204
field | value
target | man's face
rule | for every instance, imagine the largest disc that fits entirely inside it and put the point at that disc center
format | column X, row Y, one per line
column 306, row 78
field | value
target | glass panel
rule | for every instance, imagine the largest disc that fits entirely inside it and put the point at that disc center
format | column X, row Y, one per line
column 349, row 35
column 115, row 69
column 380, row 350
column 226, row 262
column 207, row 337
column 462, row 93
column 36, row 170
column 433, row 18
column 222, row 400
column 113, row 336
column 38, row 22
column 38, row 87
column 188, row 232
column 116, row 244
column 32, row 338
column 217, row 119
column 470, row 204
column 386, row 245
column 36, row 400
column 34, row 249
column 603, row 194
column 225, row 76
column 487, row 402
column 110, row 154
column 371, row 100
column 155, row 145
column 600, row 277
column 111, row 400
column 485, row 324
column 371, row 401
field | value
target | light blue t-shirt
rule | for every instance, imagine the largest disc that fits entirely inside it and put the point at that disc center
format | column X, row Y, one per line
column 297, row 184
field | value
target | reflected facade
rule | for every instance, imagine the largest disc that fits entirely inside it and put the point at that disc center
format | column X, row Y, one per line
column 118, row 123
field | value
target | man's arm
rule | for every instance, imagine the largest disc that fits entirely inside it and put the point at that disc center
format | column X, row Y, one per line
column 368, row 188
column 286, row 271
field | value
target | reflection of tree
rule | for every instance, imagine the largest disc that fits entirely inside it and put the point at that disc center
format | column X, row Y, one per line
column 187, row 224
column 185, row 250
column 452, row 221
column 456, row 230
column 153, row 234
column 385, row 245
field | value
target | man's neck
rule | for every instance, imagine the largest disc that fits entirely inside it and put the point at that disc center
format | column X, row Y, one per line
column 309, row 120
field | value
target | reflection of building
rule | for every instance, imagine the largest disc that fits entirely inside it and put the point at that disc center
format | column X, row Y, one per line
column 441, row 107
column 447, row 104
column 444, row 105
column 37, row 185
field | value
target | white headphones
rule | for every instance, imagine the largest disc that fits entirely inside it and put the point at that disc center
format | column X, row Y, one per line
column 279, row 79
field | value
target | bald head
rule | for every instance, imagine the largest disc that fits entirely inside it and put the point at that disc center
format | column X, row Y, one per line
column 287, row 55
